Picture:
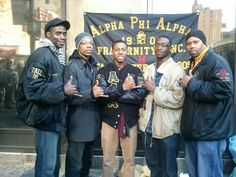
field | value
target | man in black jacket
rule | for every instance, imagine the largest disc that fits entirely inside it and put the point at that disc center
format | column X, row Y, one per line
column 208, row 108
column 120, row 110
column 44, row 91
column 83, row 117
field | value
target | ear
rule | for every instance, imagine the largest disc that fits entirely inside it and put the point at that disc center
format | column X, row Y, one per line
column 48, row 34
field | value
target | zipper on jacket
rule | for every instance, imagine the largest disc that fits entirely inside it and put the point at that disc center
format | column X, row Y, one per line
column 145, row 140
column 150, row 143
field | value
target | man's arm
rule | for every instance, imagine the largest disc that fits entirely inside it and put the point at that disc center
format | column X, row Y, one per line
column 134, row 94
column 37, row 87
column 83, row 95
column 219, row 87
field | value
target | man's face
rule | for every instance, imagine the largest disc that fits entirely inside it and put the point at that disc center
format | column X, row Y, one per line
column 57, row 35
column 162, row 47
column 86, row 48
column 194, row 46
column 120, row 52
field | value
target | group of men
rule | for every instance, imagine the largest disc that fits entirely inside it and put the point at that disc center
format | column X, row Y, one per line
column 77, row 97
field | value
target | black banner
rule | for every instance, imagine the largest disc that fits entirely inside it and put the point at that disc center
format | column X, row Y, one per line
column 139, row 31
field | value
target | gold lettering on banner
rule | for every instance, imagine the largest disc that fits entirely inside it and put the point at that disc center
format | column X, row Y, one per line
column 142, row 50
column 168, row 26
column 187, row 31
column 94, row 31
column 110, row 26
column 177, row 48
column 184, row 64
column 175, row 27
column 141, row 24
column 103, row 50
column 136, row 23
column 182, row 29
column 133, row 20
column 161, row 24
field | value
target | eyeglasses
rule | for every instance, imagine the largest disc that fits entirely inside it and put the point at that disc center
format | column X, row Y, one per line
column 161, row 45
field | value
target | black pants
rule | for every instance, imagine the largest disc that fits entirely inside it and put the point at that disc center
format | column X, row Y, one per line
column 87, row 159
column 78, row 159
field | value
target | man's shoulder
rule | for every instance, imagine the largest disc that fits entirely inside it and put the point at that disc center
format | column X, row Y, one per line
column 107, row 66
column 75, row 63
column 173, row 64
column 42, row 49
column 216, row 59
column 151, row 66
column 70, row 62
column 40, row 52
column 134, row 68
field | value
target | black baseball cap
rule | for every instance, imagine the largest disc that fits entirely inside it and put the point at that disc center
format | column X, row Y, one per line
column 56, row 22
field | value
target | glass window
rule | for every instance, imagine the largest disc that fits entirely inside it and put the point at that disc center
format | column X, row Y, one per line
column 21, row 28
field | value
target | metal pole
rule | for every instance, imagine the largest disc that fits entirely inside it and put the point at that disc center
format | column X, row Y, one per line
column 64, row 16
column 31, row 25
column 147, row 6
column 63, row 9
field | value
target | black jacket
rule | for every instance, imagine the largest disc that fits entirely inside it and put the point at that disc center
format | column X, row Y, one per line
column 111, row 79
column 208, row 105
column 44, row 89
column 83, row 118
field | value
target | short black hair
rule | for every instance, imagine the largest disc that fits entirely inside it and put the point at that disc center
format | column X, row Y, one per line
column 119, row 41
column 165, row 36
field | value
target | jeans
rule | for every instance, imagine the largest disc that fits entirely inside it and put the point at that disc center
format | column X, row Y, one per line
column 161, row 155
column 78, row 159
column 48, row 147
column 204, row 158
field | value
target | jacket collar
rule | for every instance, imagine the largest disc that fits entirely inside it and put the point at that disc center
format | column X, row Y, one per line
column 162, row 68
column 204, row 59
column 82, row 62
column 114, row 64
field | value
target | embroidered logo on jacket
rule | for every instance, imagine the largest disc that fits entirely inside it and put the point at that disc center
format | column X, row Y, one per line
column 223, row 75
column 113, row 79
column 36, row 72
column 196, row 74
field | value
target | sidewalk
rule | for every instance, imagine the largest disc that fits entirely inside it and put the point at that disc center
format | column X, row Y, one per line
column 22, row 165
column 29, row 172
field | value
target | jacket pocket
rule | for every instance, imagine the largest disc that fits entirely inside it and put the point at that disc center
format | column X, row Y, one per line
column 35, row 115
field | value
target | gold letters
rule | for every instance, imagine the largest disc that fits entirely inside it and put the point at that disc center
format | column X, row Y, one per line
column 101, row 29
column 136, row 23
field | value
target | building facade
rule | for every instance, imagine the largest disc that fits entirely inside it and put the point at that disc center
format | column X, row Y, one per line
column 210, row 21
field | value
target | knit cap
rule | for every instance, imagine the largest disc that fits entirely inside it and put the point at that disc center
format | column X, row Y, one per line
column 81, row 37
column 198, row 34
